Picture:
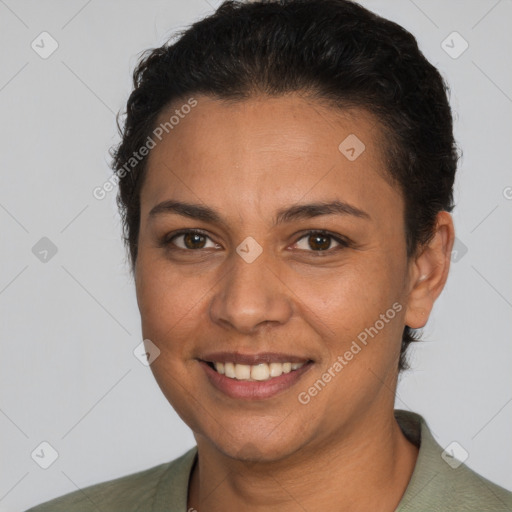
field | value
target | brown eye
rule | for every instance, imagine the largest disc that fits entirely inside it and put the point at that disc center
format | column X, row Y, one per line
column 320, row 241
column 191, row 240
column 194, row 241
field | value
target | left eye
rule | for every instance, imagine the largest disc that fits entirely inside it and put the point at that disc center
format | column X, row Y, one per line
column 194, row 240
column 321, row 240
column 191, row 239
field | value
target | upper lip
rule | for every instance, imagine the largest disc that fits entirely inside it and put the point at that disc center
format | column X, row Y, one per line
column 252, row 359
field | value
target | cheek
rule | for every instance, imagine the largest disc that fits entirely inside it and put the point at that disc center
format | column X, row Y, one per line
column 359, row 303
column 166, row 304
column 356, row 290
column 165, row 299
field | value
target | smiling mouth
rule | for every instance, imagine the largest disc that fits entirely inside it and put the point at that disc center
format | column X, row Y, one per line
column 258, row 372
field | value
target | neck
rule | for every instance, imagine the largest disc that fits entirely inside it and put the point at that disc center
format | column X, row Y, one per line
column 368, row 468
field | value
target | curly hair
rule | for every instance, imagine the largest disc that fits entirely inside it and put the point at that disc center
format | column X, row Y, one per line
column 332, row 50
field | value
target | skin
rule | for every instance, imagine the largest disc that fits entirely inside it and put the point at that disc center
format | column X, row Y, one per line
column 246, row 161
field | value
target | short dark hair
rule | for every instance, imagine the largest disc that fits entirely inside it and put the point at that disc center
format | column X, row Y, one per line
column 332, row 50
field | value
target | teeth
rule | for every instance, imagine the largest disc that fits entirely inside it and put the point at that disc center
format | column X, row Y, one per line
column 229, row 370
column 259, row 372
column 275, row 369
column 242, row 371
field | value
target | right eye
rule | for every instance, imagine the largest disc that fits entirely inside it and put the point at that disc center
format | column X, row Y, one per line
column 192, row 240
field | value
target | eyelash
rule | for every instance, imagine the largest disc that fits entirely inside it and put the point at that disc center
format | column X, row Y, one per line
column 343, row 243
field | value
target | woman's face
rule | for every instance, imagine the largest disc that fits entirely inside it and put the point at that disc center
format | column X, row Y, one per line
column 254, row 282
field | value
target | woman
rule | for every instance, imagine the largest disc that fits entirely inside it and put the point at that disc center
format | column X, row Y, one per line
column 286, row 173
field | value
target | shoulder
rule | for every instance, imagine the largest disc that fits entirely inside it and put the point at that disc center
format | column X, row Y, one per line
column 133, row 492
column 473, row 490
column 460, row 489
column 441, row 482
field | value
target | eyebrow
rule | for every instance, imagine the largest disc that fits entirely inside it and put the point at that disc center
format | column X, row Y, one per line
column 287, row 214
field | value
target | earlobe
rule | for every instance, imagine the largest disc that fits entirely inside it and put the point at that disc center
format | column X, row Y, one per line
column 428, row 272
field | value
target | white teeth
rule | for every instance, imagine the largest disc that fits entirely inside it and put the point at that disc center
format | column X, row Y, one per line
column 259, row 372
column 242, row 371
column 276, row 369
column 229, row 370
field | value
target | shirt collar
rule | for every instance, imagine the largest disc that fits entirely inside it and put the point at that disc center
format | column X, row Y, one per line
column 430, row 472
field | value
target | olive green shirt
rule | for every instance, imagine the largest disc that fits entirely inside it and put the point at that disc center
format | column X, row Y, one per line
column 438, row 484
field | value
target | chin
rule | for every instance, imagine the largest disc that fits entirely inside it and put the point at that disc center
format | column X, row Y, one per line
column 255, row 446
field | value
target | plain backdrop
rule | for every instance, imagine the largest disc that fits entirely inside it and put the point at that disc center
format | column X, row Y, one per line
column 69, row 318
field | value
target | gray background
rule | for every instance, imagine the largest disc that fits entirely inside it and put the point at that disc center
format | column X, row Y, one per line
column 70, row 323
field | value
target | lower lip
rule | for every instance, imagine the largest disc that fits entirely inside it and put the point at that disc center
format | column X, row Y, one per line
column 254, row 390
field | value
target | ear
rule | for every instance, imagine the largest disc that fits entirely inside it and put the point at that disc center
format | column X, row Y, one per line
column 428, row 272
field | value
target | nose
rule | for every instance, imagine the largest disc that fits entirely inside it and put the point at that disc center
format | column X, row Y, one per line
column 251, row 295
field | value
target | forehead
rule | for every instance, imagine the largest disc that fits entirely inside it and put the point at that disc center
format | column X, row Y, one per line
column 265, row 151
